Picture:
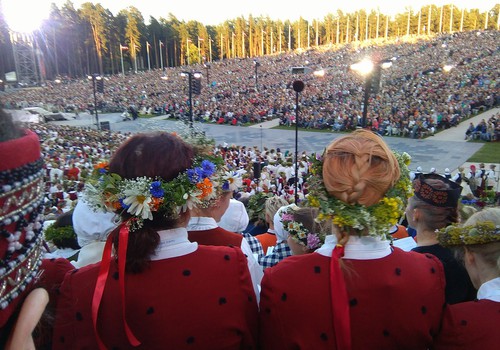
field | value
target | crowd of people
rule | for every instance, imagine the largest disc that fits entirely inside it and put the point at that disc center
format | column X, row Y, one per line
column 167, row 195
column 224, row 246
column 416, row 97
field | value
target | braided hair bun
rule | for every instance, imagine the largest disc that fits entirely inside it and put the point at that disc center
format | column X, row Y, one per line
column 359, row 168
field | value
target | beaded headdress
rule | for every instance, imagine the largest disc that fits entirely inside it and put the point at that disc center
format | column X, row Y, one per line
column 435, row 196
column 21, row 206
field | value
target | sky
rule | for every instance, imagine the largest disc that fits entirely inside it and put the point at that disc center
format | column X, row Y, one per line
column 217, row 11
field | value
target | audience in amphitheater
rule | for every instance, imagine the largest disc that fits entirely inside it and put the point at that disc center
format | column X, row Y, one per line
column 416, row 99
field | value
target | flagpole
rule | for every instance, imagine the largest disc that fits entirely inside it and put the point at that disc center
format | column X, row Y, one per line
column 121, row 58
column 147, row 51
column 135, row 57
column 161, row 55
column 210, row 47
column 199, row 51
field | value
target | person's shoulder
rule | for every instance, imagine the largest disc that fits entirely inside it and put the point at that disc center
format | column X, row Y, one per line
column 84, row 272
column 418, row 256
column 214, row 252
column 292, row 264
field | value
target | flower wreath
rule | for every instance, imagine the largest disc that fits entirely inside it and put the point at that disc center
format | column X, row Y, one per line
column 480, row 233
column 142, row 196
column 299, row 233
column 376, row 219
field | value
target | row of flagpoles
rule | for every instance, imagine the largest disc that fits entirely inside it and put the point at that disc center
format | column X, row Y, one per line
column 160, row 43
column 125, row 48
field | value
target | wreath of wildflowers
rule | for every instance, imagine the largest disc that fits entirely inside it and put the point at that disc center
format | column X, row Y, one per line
column 480, row 233
column 140, row 197
column 376, row 219
column 299, row 233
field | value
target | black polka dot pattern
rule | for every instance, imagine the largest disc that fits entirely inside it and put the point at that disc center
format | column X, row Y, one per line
column 397, row 271
column 433, row 270
column 227, row 257
column 324, row 337
column 62, row 339
column 463, row 323
column 268, row 310
column 283, row 297
column 386, row 333
column 353, row 302
column 79, row 316
column 222, row 301
column 186, row 273
column 250, row 299
column 150, row 310
column 115, row 275
column 424, row 310
column 190, row 340
column 317, row 269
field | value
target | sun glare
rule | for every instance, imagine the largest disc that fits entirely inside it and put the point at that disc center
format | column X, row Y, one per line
column 24, row 16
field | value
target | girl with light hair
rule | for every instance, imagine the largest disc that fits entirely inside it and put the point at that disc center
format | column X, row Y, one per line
column 474, row 324
column 356, row 291
column 272, row 205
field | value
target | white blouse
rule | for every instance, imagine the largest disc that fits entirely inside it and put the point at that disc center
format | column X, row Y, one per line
column 174, row 243
column 490, row 290
column 358, row 248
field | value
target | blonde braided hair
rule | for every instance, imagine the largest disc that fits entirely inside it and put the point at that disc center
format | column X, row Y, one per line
column 359, row 168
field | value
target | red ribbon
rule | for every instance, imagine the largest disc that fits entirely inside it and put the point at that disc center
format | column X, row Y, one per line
column 101, row 282
column 340, row 302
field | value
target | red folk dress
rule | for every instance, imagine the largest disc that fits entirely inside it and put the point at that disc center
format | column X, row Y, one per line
column 192, row 298
column 396, row 298
column 474, row 324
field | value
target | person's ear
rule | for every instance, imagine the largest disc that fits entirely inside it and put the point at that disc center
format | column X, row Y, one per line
column 416, row 213
column 469, row 257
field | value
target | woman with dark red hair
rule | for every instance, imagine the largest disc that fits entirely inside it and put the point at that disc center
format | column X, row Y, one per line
column 154, row 289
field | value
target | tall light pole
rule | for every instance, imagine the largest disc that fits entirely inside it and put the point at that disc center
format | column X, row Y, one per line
column 192, row 77
column 365, row 68
column 371, row 72
column 298, row 86
column 256, row 64
column 207, row 67
column 96, row 78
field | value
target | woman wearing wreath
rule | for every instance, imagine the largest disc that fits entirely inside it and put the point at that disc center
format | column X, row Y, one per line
column 474, row 324
column 356, row 291
column 153, row 288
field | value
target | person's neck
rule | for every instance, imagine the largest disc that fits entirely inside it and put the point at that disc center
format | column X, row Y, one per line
column 426, row 237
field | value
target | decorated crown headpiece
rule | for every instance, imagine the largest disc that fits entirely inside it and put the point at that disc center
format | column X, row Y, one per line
column 480, row 233
column 299, row 233
column 377, row 219
column 435, row 196
column 143, row 196
column 21, row 204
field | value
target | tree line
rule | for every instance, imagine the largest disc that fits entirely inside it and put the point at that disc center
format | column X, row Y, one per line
column 76, row 42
